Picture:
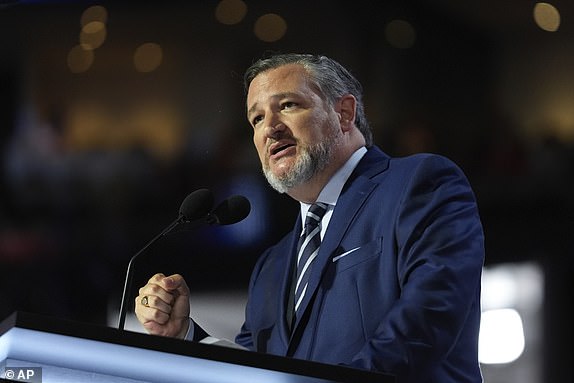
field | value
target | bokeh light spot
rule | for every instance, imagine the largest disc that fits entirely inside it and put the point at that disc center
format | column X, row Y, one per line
column 270, row 27
column 148, row 57
column 94, row 13
column 501, row 338
column 547, row 17
column 80, row 59
column 93, row 35
column 400, row 34
column 230, row 12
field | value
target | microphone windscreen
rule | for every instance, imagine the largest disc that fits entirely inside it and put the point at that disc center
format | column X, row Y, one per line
column 232, row 210
column 196, row 205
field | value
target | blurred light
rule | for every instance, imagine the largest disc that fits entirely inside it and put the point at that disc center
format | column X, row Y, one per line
column 230, row 12
column 94, row 13
column 148, row 57
column 253, row 229
column 157, row 128
column 270, row 27
column 80, row 59
column 400, row 34
column 547, row 17
column 518, row 285
column 501, row 338
column 499, row 288
column 153, row 127
column 560, row 118
column 93, row 35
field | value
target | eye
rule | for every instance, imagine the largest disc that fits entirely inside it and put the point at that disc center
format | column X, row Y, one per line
column 288, row 105
column 256, row 120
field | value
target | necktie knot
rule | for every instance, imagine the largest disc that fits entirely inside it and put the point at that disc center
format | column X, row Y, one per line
column 314, row 216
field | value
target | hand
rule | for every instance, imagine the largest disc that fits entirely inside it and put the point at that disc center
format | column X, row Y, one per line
column 167, row 310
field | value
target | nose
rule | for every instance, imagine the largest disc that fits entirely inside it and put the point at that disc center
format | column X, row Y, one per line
column 274, row 127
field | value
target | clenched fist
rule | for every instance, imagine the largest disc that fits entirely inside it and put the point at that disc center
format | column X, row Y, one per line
column 162, row 306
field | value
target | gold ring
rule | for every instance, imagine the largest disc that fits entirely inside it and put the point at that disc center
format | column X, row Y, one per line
column 145, row 302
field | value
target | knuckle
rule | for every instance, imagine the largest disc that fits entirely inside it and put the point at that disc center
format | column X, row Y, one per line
column 152, row 300
column 155, row 289
column 157, row 277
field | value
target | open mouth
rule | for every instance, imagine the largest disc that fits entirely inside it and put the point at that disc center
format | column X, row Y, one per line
column 280, row 148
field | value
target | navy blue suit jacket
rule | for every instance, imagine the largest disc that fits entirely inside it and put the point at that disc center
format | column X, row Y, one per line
column 396, row 284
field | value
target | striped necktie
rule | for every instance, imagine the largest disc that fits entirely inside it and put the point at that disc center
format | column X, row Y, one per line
column 308, row 248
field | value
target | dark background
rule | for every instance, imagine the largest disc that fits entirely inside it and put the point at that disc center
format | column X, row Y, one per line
column 477, row 81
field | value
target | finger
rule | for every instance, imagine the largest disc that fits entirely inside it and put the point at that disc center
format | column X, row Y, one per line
column 149, row 314
column 153, row 327
column 154, row 302
column 155, row 287
column 155, row 290
column 175, row 282
column 156, row 278
column 172, row 330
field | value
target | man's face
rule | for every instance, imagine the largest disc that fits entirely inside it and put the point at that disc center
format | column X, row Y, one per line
column 294, row 130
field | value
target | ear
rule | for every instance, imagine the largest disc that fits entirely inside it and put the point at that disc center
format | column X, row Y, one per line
column 346, row 111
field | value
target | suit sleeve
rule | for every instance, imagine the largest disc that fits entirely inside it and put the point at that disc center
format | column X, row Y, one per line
column 246, row 335
column 439, row 246
column 195, row 333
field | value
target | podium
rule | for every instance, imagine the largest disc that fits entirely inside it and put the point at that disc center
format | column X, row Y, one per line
column 65, row 351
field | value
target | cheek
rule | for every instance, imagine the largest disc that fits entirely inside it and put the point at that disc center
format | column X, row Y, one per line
column 259, row 143
column 314, row 132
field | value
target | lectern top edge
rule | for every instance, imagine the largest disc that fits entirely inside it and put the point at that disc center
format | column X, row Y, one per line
column 110, row 335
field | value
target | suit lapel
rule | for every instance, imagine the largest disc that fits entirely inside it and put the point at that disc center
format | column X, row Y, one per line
column 352, row 197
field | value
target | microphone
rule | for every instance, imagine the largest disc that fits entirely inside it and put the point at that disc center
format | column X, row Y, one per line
column 195, row 206
column 230, row 211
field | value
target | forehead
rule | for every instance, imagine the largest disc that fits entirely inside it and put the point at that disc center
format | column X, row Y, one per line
column 290, row 78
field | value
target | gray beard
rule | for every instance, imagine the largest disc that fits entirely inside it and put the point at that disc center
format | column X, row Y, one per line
column 311, row 160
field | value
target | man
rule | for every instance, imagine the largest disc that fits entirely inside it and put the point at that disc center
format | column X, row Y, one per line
column 395, row 283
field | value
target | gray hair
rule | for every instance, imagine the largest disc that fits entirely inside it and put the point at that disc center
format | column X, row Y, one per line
column 332, row 79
